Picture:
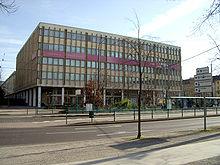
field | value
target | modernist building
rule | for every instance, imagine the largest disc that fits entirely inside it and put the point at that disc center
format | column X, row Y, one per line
column 8, row 86
column 216, row 86
column 58, row 60
column 188, row 88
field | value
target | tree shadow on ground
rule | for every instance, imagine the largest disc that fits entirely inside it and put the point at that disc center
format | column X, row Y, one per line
column 139, row 143
column 141, row 154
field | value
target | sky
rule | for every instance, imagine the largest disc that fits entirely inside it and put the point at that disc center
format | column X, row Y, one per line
column 166, row 21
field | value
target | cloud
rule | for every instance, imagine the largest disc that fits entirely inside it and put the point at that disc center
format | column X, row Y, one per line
column 12, row 41
column 171, row 15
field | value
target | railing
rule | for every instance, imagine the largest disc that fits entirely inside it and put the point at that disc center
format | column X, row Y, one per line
column 122, row 113
column 146, row 113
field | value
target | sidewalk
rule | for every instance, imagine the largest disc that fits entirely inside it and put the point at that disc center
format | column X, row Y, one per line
column 169, row 156
column 171, row 149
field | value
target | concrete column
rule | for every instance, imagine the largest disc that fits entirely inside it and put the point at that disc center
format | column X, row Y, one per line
column 122, row 95
column 62, row 96
column 104, row 97
column 34, row 97
column 26, row 95
column 39, row 97
column 30, row 97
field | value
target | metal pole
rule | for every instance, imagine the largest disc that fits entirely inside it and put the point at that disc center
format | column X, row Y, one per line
column 66, row 117
column 204, row 113
column 98, row 65
column 134, row 114
column 114, row 115
column 182, row 111
column 152, row 113
column 194, row 111
column 211, row 80
column 76, row 102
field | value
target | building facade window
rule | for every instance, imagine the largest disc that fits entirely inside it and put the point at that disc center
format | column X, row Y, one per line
column 61, row 34
column 72, row 62
column 82, row 77
column 67, row 48
column 55, row 47
column 77, row 77
column 51, row 47
column 60, row 61
column 60, row 75
column 82, row 64
column 49, row 75
column 72, row 76
column 44, row 74
column 67, row 62
column 55, row 61
column 50, row 61
column 55, row 75
column 67, row 76
column 77, row 63
column 44, row 60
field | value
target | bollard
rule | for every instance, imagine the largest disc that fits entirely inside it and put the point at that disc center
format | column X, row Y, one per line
column 152, row 113
column 182, row 112
column 114, row 115
column 168, row 115
column 134, row 114
column 194, row 111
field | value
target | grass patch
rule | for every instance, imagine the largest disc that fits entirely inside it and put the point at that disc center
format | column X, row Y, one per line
column 212, row 129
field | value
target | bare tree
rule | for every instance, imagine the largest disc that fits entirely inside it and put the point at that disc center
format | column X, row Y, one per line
column 215, row 42
column 7, row 6
column 139, row 51
column 211, row 14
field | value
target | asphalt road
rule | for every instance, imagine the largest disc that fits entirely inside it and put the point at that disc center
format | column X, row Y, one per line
column 20, row 136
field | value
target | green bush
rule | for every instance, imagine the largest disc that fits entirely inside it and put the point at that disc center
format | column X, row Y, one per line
column 124, row 103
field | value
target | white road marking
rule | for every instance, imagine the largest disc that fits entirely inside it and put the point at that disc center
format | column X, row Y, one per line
column 54, row 133
column 114, row 133
column 111, row 126
column 38, row 122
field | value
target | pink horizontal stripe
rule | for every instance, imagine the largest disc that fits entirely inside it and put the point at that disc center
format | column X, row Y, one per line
column 55, row 54
column 79, row 56
column 76, row 56
column 115, row 60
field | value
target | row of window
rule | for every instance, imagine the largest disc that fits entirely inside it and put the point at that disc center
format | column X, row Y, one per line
column 113, row 79
column 110, row 66
column 59, row 76
column 110, row 41
column 93, row 51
